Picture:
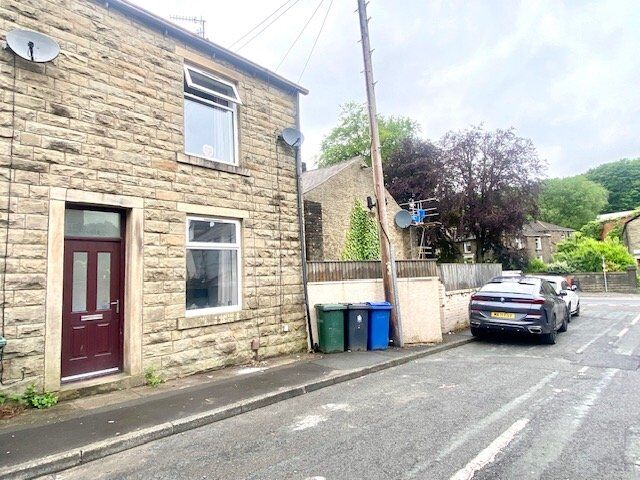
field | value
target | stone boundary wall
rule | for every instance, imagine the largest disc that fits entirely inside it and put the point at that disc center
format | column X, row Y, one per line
column 619, row 282
column 454, row 307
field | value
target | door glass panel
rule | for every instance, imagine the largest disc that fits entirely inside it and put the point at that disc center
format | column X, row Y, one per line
column 103, row 298
column 91, row 223
column 79, row 292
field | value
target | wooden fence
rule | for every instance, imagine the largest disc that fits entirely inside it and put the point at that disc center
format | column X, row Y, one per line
column 348, row 270
column 462, row 276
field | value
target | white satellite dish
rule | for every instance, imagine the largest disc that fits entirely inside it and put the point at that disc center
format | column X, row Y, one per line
column 403, row 219
column 292, row 137
column 33, row 46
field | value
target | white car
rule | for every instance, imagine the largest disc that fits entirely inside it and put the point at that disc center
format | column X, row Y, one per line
column 566, row 291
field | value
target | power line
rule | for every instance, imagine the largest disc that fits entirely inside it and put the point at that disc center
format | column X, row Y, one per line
column 251, row 30
column 300, row 34
column 267, row 25
column 315, row 42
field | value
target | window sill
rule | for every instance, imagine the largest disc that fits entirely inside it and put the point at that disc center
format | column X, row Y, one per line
column 211, row 164
column 206, row 319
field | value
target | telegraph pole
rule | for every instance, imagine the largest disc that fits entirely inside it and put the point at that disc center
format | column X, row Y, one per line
column 386, row 252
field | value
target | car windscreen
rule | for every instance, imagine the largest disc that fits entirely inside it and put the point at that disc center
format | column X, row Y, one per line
column 511, row 287
column 554, row 285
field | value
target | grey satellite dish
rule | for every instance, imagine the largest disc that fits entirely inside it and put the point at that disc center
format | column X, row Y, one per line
column 403, row 219
column 33, row 46
column 292, row 137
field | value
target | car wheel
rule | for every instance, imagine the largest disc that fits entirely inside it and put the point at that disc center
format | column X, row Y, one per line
column 577, row 312
column 551, row 337
column 565, row 323
column 476, row 332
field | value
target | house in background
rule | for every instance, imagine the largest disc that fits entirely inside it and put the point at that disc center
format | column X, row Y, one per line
column 609, row 221
column 329, row 196
column 631, row 236
column 149, row 215
column 537, row 238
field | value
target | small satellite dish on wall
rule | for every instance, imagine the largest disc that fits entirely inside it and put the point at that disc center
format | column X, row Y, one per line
column 33, row 46
column 403, row 219
column 292, row 137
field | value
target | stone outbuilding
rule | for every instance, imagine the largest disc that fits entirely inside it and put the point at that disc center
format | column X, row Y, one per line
column 329, row 196
column 150, row 213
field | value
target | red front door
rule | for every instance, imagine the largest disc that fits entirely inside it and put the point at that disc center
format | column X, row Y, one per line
column 92, row 317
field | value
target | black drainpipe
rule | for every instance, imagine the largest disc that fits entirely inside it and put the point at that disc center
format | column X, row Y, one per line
column 303, row 252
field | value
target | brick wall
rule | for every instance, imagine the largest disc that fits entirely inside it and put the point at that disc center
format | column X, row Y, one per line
column 621, row 282
column 454, row 307
column 106, row 116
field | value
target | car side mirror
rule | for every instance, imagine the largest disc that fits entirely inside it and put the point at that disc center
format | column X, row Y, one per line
column 563, row 293
column 574, row 287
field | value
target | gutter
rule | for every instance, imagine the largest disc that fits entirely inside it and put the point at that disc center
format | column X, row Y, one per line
column 168, row 28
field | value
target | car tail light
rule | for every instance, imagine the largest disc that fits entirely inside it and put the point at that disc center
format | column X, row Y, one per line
column 535, row 301
column 480, row 298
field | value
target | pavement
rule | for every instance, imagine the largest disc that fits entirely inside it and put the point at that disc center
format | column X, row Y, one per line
column 502, row 408
column 82, row 431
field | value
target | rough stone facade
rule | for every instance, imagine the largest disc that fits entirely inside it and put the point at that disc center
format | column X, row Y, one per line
column 336, row 196
column 631, row 237
column 106, row 117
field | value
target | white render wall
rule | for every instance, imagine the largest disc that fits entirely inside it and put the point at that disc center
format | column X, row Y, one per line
column 419, row 303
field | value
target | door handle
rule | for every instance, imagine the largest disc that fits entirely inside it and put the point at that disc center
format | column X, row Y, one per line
column 117, row 304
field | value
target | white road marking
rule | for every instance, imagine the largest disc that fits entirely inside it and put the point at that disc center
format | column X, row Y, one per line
column 309, row 421
column 488, row 455
column 481, row 425
column 597, row 337
column 635, row 320
column 623, row 332
column 583, row 370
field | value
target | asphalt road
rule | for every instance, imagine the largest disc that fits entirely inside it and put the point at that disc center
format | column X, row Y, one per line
column 499, row 409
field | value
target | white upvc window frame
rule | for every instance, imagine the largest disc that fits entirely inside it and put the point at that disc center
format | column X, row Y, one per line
column 466, row 247
column 237, row 247
column 234, row 102
column 538, row 243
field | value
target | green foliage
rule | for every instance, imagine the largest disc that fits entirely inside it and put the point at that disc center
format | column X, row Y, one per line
column 558, row 268
column 571, row 202
column 584, row 254
column 616, row 231
column 351, row 137
column 622, row 180
column 592, row 229
column 32, row 399
column 152, row 377
column 536, row 265
column 362, row 237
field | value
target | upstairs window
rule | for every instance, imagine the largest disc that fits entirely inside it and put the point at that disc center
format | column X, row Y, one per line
column 538, row 243
column 467, row 247
column 210, row 117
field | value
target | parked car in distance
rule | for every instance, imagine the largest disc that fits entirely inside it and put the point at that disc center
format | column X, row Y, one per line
column 518, row 304
column 567, row 292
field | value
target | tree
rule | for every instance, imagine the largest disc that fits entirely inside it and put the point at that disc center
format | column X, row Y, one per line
column 351, row 137
column 622, row 180
column 489, row 184
column 362, row 237
column 592, row 229
column 571, row 202
column 584, row 254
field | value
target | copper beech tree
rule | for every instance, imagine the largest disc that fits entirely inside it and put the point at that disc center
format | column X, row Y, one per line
column 487, row 182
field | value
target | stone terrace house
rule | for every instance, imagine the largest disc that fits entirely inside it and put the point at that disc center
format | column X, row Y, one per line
column 537, row 238
column 149, row 210
column 329, row 196
column 631, row 236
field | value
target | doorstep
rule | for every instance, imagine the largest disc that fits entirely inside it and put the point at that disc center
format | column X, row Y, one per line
column 83, row 435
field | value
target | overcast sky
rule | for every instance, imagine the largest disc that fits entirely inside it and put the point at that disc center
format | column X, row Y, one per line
column 564, row 73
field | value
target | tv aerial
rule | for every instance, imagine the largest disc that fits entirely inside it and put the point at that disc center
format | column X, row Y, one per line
column 32, row 46
column 292, row 137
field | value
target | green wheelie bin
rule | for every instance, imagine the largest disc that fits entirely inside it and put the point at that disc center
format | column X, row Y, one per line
column 330, row 327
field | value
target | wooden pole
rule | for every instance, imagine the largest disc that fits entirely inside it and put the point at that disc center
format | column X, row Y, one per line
column 386, row 253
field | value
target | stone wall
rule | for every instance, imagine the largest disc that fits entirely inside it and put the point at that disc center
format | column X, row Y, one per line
column 632, row 238
column 313, row 231
column 621, row 282
column 337, row 196
column 106, row 117
column 455, row 309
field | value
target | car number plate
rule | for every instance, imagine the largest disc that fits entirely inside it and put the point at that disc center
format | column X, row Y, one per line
column 505, row 315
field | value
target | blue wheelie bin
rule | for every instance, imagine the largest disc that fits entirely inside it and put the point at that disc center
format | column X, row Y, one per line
column 379, row 316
